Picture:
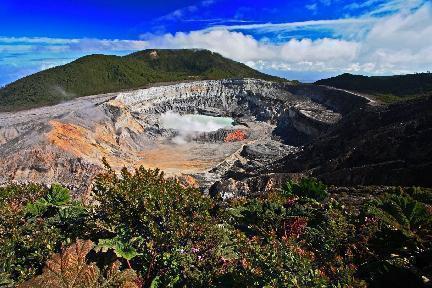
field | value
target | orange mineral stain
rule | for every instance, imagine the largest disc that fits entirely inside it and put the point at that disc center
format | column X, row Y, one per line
column 236, row 136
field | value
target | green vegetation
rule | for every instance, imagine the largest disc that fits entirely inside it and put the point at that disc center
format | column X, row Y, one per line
column 34, row 223
column 306, row 187
column 144, row 230
column 98, row 74
column 387, row 89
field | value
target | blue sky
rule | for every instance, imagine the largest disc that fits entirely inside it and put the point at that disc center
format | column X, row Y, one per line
column 304, row 40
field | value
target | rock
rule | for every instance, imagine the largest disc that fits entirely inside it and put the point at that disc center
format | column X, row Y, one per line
column 267, row 150
column 262, row 184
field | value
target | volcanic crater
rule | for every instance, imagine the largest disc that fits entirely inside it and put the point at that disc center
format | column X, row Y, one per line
column 231, row 124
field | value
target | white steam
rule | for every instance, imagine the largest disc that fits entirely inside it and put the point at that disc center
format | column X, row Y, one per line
column 60, row 90
column 192, row 124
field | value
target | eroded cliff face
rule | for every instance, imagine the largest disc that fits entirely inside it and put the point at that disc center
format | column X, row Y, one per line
column 387, row 145
column 66, row 143
column 371, row 146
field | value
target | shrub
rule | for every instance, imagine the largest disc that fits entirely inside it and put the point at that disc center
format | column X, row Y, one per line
column 423, row 195
column 321, row 231
column 403, row 213
column 404, row 229
column 167, row 235
column 168, row 229
column 34, row 222
column 271, row 263
column 307, row 187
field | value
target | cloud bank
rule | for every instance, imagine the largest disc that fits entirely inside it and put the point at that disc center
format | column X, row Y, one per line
column 401, row 43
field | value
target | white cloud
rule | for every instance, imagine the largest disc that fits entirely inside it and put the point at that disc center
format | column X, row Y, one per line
column 181, row 13
column 399, row 43
column 346, row 27
column 394, row 6
column 110, row 45
column 304, row 54
column 362, row 4
column 292, row 26
column 207, row 3
column 27, row 44
column 312, row 7
column 235, row 45
column 322, row 2
column 403, row 31
column 321, row 50
column 327, row 2
column 36, row 40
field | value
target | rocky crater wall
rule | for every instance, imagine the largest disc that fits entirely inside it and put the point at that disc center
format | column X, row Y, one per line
column 298, row 113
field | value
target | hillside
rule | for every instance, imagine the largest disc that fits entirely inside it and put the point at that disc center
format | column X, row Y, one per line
column 384, row 88
column 97, row 74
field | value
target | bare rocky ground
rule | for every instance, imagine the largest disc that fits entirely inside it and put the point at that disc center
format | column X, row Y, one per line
column 67, row 142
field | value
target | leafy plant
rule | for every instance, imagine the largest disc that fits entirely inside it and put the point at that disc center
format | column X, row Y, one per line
column 57, row 198
column 37, row 208
column 306, row 187
column 403, row 229
column 388, row 273
column 58, row 195
column 403, row 213
column 70, row 269
column 423, row 195
column 120, row 247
